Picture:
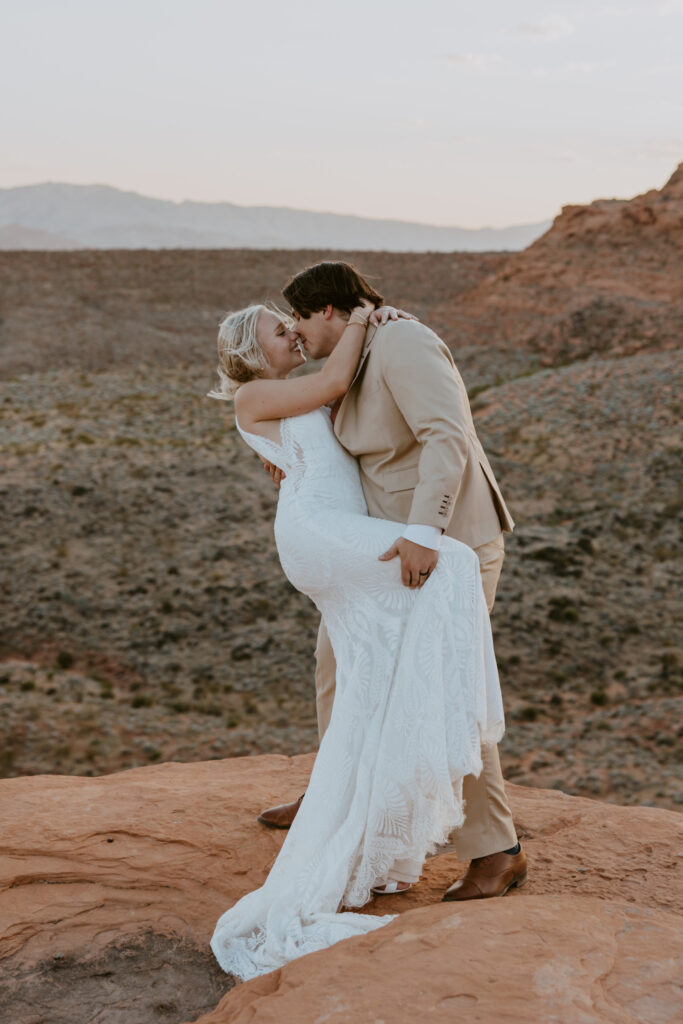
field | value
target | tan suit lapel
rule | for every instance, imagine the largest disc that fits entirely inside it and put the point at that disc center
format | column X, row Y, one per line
column 365, row 352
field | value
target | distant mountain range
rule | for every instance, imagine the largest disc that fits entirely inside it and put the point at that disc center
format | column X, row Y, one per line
column 61, row 216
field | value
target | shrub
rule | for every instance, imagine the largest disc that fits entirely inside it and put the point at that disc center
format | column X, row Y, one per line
column 562, row 610
column 141, row 700
column 180, row 706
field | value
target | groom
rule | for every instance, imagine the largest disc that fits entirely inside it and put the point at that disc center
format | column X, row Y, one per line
column 406, row 418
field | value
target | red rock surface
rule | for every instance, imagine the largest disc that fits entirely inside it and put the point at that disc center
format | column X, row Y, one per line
column 110, row 888
column 544, row 959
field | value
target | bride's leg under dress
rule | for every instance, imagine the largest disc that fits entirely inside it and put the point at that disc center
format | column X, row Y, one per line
column 402, row 870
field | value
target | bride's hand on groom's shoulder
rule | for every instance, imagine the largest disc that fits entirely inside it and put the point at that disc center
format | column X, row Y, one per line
column 381, row 316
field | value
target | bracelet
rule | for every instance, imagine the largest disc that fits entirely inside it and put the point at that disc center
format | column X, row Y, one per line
column 358, row 318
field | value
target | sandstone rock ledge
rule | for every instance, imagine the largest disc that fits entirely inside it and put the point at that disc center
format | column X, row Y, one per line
column 110, row 888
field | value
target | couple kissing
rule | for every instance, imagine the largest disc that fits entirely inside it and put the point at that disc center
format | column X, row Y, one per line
column 390, row 519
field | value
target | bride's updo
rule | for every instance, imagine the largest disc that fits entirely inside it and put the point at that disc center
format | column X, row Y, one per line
column 240, row 356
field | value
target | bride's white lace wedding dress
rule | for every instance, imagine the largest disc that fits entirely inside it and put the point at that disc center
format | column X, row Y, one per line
column 417, row 691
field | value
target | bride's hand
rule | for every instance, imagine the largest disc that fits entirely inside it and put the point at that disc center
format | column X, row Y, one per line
column 381, row 316
column 360, row 314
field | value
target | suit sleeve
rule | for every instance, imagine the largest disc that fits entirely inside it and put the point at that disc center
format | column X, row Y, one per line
column 420, row 374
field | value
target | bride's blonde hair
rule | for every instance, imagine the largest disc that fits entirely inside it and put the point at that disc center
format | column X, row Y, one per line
column 240, row 355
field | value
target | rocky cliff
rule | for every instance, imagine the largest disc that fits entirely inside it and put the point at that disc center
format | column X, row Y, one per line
column 606, row 278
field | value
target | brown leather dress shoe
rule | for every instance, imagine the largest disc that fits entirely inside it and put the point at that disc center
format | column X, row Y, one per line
column 489, row 876
column 281, row 816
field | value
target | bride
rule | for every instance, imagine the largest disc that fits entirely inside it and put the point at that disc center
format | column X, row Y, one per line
column 417, row 686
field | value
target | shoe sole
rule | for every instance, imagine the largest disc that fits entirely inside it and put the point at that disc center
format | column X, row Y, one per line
column 515, row 883
column 271, row 824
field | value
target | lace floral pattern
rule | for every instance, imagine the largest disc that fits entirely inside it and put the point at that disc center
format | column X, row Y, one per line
column 417, row 692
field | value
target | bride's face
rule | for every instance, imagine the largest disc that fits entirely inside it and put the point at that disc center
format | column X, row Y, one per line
column 280, row 345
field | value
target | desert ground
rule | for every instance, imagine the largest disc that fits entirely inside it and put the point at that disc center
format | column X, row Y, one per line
column 144, row 613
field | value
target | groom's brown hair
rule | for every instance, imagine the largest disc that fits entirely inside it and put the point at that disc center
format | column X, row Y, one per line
column 331, row 283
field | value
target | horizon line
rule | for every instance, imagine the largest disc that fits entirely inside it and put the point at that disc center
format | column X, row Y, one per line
column 272, row 206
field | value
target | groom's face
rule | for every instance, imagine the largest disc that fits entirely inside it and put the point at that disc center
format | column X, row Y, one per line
column 319, row 332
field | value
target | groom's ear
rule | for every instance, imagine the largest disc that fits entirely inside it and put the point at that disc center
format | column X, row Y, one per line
column 328, row 312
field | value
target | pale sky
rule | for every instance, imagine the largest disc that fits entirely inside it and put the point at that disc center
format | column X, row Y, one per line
column 463, row 112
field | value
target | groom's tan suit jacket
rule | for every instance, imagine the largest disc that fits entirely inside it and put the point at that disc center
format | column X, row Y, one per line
column 407, row 419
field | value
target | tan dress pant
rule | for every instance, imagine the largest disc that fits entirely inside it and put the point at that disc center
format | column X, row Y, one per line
column 488, row 826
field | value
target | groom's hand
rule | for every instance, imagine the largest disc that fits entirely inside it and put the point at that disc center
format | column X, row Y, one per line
column 417, row 562
column 276, row 473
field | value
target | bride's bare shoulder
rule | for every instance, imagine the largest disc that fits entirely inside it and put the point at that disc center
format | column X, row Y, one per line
column 244, row 399
column 244, row 408
column 244, row 404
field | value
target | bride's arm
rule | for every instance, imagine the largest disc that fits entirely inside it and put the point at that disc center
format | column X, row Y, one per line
column 261, row 400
